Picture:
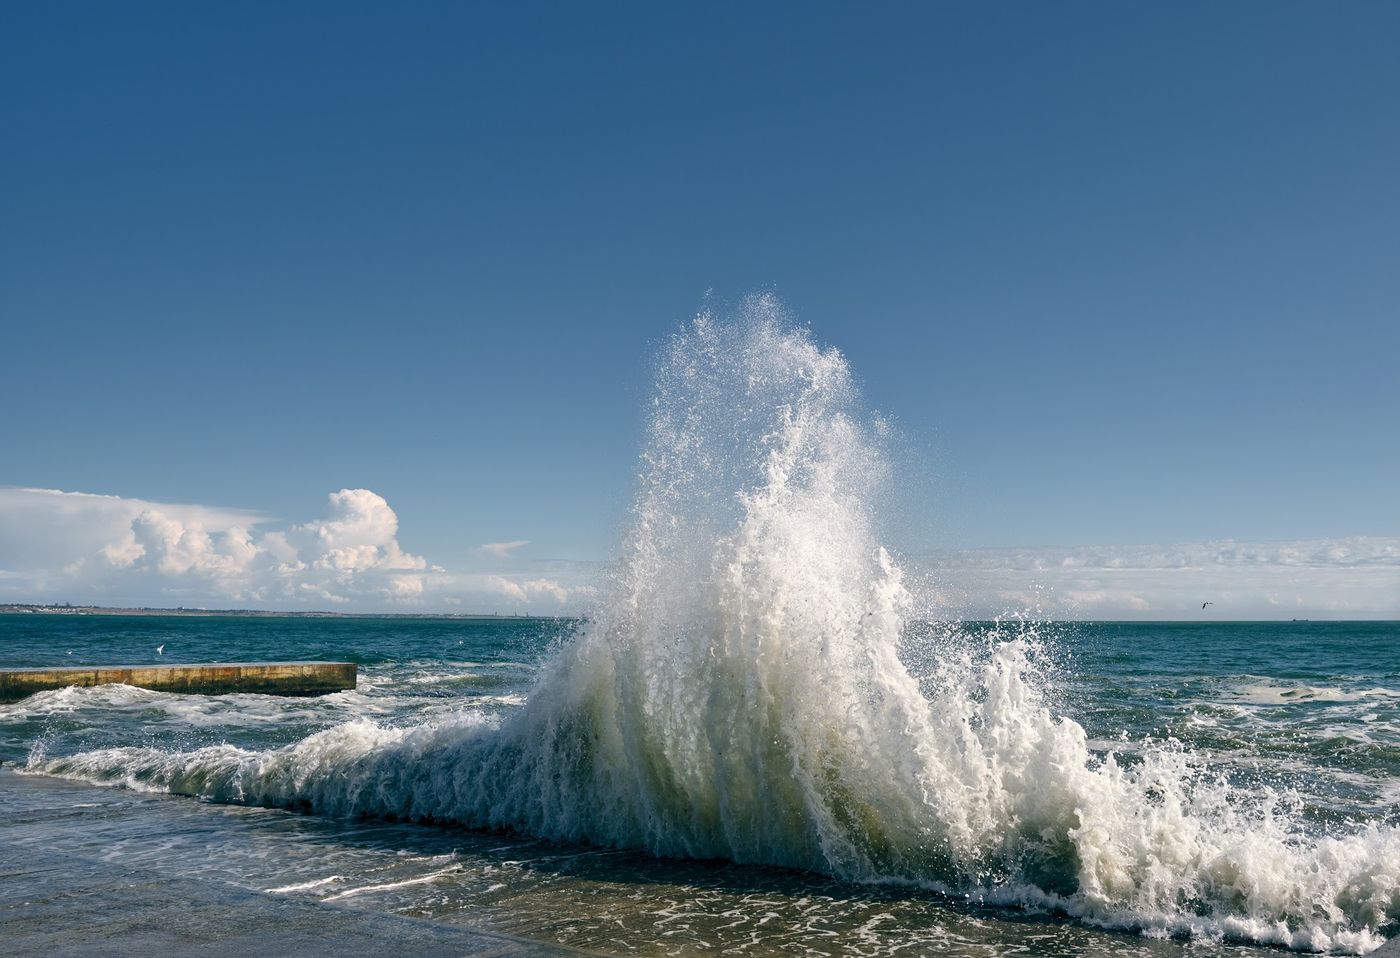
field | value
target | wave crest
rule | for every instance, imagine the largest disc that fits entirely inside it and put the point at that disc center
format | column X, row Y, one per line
column 740, row 695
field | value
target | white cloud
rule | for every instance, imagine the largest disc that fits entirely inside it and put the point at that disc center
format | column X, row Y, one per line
column 63, row 546
column 1354, row 577
column 404, row 588
column 502, row 550
column 358, row 532
column 524, row 590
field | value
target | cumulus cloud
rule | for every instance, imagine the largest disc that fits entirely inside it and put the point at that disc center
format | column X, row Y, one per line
column 502, row 550
column 65, row 546
column 527, row 589
column 358, row 532
column 1355, row 577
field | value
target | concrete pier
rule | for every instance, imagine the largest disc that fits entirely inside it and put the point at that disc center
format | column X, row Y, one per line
column 270, row 678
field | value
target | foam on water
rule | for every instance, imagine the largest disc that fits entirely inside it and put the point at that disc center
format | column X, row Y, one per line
column 1266, row 692
column 740, row 695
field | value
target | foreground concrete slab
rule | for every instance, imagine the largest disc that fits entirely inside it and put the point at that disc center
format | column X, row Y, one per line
column 270, row 678
column 61, row 906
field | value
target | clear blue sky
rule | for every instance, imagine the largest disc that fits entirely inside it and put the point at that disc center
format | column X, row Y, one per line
column 1119, row 272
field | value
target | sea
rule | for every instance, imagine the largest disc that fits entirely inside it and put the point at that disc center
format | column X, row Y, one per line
column 1295, row 724
column 769, row 735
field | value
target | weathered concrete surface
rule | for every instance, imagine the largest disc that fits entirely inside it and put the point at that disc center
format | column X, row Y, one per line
column 60, row 906
column 272, row 678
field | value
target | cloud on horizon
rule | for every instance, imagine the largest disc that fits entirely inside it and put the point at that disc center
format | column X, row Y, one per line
column 78, row 547
column 502, row 550
column 1350, row 577
column 71, row 546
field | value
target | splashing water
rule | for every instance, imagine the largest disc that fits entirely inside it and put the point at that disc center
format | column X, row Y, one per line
column 740, row 695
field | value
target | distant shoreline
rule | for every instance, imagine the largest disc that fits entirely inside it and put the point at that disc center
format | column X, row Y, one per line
column 29, row 608
column 35, row 608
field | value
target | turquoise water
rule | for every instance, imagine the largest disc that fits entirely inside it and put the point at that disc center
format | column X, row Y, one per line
column 1315, row 704
column 1308, row 710
column 410, row 670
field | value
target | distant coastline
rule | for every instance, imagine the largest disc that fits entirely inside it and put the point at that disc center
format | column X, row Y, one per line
column 40, row 608
column 30, row 608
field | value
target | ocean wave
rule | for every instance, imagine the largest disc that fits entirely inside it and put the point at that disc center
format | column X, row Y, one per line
column 1268, row 692
column 741, row 696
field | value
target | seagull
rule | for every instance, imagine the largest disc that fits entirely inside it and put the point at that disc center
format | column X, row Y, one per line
column 1204, row 604
column 160, row 649
column 70, row 651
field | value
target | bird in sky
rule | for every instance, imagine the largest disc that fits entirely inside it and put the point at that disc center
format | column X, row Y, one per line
column 160, row 649
column 1204, row 604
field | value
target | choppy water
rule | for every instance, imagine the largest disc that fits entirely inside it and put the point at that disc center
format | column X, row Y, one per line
column 1311, row 707
column 760, row 687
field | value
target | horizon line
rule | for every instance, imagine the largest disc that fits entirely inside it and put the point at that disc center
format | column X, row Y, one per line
column 62, row 608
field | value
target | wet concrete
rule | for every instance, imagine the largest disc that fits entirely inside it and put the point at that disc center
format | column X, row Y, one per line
column 269, row 678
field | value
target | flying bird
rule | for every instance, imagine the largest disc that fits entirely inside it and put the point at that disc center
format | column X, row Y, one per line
column 1204, row 604
column 160, row 649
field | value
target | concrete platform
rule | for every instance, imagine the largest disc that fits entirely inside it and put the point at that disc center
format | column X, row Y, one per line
column 270, row 678
column 61, row 906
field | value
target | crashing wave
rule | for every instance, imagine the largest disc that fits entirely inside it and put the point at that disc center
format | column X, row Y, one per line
column 740, row 695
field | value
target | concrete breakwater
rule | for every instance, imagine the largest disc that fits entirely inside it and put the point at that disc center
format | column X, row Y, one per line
column 270, row 678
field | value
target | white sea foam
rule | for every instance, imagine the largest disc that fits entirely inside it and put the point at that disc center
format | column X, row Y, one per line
column 391, row 886
column 740, row 696
column 305, row 885
column 51, row 702
column 151, row 708
column 1267, row 692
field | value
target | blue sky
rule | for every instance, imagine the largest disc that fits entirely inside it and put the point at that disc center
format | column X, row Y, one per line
column 1120, row 274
